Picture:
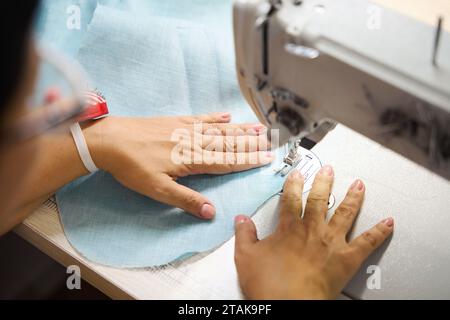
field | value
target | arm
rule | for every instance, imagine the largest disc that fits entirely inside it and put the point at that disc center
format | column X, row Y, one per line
column 49, row 171
column 138, row 152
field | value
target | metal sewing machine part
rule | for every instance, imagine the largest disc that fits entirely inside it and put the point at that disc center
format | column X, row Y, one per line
column 304, row 160
column 304, row 66
column 97, row 107
column 293, row 158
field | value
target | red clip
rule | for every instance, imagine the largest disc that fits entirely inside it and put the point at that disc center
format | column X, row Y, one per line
column 97, row 107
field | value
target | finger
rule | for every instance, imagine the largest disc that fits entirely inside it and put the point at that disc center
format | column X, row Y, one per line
column 245, row 233
column 317, row 203
column 219, row 117
column 177, row 195
column 244, row 143
column 229, row 162
column 291, row 199
column 227, row 129
column 366, row 243
column 348, row 210
column 51, row 95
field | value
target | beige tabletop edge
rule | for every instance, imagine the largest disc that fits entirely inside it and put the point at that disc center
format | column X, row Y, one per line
column 44, row 230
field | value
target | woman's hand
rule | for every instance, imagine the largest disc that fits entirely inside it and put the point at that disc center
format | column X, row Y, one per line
column 306, row 258
column 142, row 154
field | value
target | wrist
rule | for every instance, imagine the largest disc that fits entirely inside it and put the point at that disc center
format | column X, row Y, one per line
column 96, row 135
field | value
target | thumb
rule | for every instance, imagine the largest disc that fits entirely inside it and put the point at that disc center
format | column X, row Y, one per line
column 184, row 198
column 245, row 232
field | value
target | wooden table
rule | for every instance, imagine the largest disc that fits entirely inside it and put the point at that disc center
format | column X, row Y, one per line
column 43, row 229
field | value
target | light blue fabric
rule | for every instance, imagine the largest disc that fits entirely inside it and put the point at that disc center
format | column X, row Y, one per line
column 51, row 25
column 160, row 66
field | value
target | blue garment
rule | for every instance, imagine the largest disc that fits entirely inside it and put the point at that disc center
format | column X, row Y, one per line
column 161, row 65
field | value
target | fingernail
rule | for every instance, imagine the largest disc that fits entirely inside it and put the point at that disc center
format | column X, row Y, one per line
column 240, row 219
column 358, row 185
column 327, row 170
column 269, row 154
column 51, row 95
column 296, row 174
column 259, row 128
column 207, row 211
column 389, row 222
column 225, row 115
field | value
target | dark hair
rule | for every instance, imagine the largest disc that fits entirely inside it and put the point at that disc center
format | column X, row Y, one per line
column 16, row 21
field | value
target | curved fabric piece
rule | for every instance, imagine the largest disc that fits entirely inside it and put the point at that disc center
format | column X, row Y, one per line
column 158, row 66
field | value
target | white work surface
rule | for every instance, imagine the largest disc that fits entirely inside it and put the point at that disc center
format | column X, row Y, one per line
column 414, row 264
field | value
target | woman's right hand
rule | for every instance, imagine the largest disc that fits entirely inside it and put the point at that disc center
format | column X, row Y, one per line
column 306, row 258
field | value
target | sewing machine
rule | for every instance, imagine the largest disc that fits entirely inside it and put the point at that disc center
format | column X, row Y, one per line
column 304, row 66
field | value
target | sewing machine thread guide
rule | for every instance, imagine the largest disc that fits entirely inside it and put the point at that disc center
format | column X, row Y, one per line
column 437, row 39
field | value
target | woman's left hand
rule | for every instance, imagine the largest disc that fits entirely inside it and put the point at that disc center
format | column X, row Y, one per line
column 142, row 154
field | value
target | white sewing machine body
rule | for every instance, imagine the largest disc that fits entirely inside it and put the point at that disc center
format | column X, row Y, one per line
column 305, row 65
